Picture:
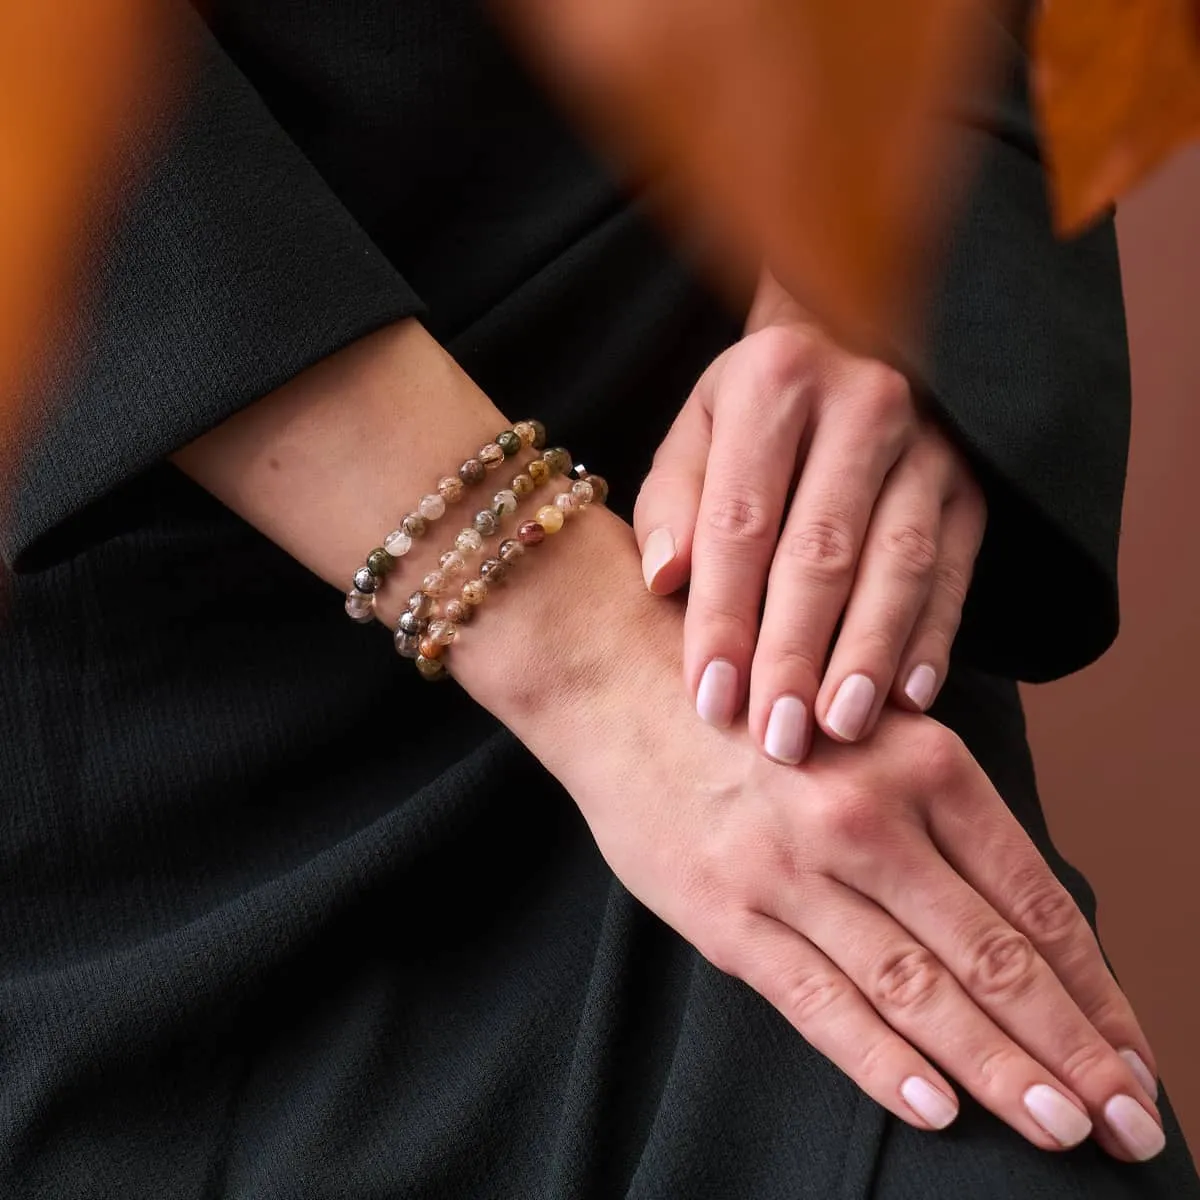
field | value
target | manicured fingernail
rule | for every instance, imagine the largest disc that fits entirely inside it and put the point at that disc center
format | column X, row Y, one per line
column 920, row 686
column 659, row 551
column 716, row 698
column 932, row 1106
column 1143, row 1074
column 787, row 730
column 1134, row 1127
column 851, row 707
column 1062, row 1120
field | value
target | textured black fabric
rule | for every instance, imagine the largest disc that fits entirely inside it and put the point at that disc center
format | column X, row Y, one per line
column 277, row 920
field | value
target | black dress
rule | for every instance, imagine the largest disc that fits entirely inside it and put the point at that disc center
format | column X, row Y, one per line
column 260, row 939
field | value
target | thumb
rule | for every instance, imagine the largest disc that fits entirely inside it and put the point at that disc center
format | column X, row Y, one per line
column 664, row 518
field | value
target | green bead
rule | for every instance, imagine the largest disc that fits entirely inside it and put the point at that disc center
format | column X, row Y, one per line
column 380, row 562
column 558, row 460
column 539, row 433
column 508, row 442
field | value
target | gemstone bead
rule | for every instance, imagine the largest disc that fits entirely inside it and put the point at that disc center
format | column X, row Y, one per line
column 360, row 606
column 539, row 471
column 505, row 501
column 452, row 563
column 451, row 489
column 458, row 612
column 522, row 484
column 599, row 488
column 509, row 442
column 380, row 562
column 408, row 645
column 414, row 525
column 530, row 533
column 474, row 591
column 469, row 541
column 493, row 570
column 491, row 455
column 435, row 583
column 443, row 631
column 365, row 579
column 409, row 622
column 429, row 648
column 485, row 522
column 472, row 471
column 566, row 503
column 397, row 543
column 549, row 517
column 524, row 430
column 558, row 460
column 510, row 548
column 432, row 507
column 431, row 668
column 582, row 491
column 539, row 433
column 421, row 604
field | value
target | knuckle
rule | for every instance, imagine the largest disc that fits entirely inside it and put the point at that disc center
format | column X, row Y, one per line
column 823, row 546
column 791, row 659
column 885, row 391
column 912, row 550
column 740, row 517
column 1046, row 911
column 953, row 582
column 782, row 356
column 906, row 980
column 1001, row 965
column 994, row 1063
column 939, row 756
column 807, row 997
column 1083, row 1061
column 853, row 817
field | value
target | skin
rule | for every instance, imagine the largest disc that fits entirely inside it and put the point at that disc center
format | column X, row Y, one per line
column 880, row 896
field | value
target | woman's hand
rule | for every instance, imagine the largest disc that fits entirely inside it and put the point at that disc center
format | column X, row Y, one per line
column 882, row 897
column 880, row 533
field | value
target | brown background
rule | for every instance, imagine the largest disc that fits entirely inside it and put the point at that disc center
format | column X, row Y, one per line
column 1118, row 746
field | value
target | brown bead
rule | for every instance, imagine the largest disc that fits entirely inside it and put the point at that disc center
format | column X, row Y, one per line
column 522, row 484
column 510, row 548
column 431, row 668
column 539, row 471
column 458, row 612
column 525, row 431
column 430, row 647
column 491, row 455
column 474, row 591
column 530, row 533
column 558, row 460
column 599, row 488
column 451, row 489
column 539, row 433
column 414, row 525
column 443, row 631
column 472, row 471
column 493, row 570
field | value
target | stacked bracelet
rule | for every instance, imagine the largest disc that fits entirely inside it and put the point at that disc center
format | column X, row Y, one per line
column 382, row 561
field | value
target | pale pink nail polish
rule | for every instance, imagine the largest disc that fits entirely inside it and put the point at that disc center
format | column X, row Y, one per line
column 1143, row 1074
column 787, row 730
column 851, row 707
column 1134, row 1127
column 659, row 551
column 1063, row 1121
column 931, row 1105
column 716, row 698
column 920, row 686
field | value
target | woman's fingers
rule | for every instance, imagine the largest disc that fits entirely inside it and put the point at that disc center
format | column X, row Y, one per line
column 788, row 971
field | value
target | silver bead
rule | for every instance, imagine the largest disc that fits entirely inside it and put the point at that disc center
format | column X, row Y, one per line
column 410, row 623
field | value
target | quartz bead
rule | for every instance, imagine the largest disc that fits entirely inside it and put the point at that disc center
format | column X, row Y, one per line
column 409, row 622
column 451, row 489
column 599, row 488
column 474, row 591
column 472, row 471
column 429, row 648
column 452, row 563
column 530, row 533
column 582, row 491
column 432, row 507
column 539, row 433
column 539, row 471
column 510, row 548
column 414, row 525
column 505, row 501
column 458, row 612
column 380, row 562
column 435, row 583
column 431, row 668
column 524, row 430
column 522, row 484
column 509, row 442
column 493, row 570
column 469, row 541
column 558, row 460
column 360, row 606
column 491, row 455
column 566, row 503
column 397, row 543
column 408, row 645
column 365, row 579
column 443, row 631
column 485, row 522
column 549, row 517
column 421, row 604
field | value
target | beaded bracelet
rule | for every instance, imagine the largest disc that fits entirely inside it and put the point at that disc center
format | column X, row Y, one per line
column 425, row 635
column 369, row 578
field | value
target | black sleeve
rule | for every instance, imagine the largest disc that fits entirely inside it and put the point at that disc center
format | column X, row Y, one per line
column 220, row 266
column 1026, row 359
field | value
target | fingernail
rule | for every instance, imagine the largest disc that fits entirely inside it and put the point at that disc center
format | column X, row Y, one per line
column 1134, row 1127
column 920, row 686
column 716, row 698
column 851, row 707
column 659, row 551
column 1062, row 1120
column 787, row 730
column 1142, row 1072
column 932, row 1106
